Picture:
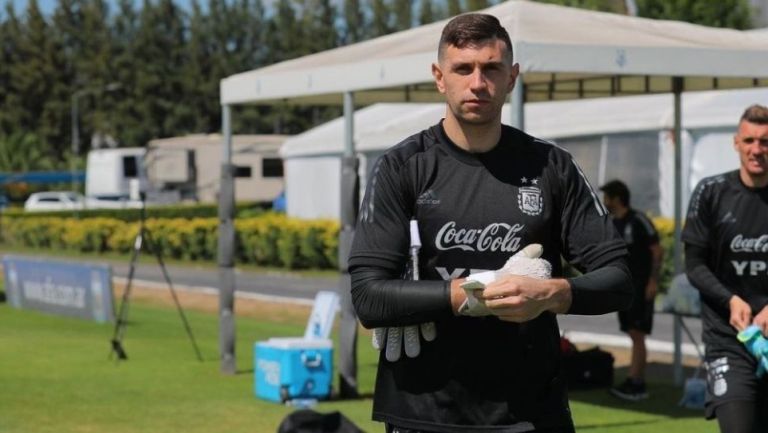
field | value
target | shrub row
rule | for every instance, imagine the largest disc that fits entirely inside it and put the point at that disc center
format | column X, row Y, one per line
column 666, row 229
column 270, row 239
column 267, row 240
column 186, row 211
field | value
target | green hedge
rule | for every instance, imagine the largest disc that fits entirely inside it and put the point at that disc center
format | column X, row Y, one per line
column 666, row 229
column 186, row 211
column 267, row 240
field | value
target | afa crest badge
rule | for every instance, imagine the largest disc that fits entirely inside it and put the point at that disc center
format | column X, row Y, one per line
column 530, row 201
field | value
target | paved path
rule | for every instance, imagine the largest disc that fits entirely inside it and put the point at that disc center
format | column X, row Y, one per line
column 280, row 286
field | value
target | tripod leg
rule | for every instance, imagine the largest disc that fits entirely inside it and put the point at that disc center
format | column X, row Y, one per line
column 122, row 315
column 153, row 248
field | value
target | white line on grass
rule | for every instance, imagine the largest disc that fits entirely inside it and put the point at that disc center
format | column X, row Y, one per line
column 154, row 285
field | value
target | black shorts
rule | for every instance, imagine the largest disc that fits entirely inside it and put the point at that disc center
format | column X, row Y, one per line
column 731, row 376
column 638, row 317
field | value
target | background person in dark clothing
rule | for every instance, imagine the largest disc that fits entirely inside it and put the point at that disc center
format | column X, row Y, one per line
column 645, row 254
column 480, row 192
column 726, row 259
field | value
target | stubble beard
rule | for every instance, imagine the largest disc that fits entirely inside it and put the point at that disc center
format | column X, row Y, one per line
column 474, row 120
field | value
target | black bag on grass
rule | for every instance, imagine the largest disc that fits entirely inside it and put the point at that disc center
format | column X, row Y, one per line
column 585, row 369
column 309, row 421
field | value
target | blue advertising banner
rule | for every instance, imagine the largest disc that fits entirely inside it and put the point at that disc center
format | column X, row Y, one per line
column 66, row 288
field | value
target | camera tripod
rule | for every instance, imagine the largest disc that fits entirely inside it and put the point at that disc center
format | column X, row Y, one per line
column 142, row 237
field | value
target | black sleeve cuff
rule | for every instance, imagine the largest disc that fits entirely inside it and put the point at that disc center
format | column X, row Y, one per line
column 602, row 291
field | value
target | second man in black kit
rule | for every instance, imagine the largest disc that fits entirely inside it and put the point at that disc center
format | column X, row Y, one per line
column 645, row 254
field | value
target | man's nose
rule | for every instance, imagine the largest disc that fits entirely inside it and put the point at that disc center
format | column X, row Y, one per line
column 759, row 147
column 477, row 80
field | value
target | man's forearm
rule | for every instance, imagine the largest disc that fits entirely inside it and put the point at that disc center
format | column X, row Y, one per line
column 601, row 291
column 383, row 300
column 657, row 255
column 703, row 278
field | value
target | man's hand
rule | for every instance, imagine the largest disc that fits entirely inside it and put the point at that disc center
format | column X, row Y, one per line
column 519, row 299
column 524, row 269
column 651, row 289
column 761, row 321
column 741, row 313
column 527, row 261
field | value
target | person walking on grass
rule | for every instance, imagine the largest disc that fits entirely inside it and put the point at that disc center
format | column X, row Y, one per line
column 726, row 259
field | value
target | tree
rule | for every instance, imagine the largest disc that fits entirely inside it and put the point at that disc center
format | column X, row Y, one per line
column 197, row 74
column 42, row 103
column 725, row 13
column 285, row 34
column 354, row 22
column 95, row 71
column 474, row 5
column 615, row 6
column 254, row 53
column 454, row 8
column 10, row 38
column 403, row 14
column 318, row 21
column 24, row 151
column 67, row 25
column 426, row 12
column 381, row 17
column 158, row 60
column 129, row 125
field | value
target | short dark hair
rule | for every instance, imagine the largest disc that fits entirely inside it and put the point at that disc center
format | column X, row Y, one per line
column 617, row 188
column 472, row 29
column 755, row 113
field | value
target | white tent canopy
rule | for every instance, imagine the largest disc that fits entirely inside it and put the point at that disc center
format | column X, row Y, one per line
column 312, row 159
column 564, row 53
column 380, row 126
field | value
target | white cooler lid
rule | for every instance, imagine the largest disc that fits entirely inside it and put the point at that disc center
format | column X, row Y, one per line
column 300, row 343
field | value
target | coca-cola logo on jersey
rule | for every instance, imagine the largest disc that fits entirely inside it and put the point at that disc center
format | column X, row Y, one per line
column 740, row 244
column 494, row 237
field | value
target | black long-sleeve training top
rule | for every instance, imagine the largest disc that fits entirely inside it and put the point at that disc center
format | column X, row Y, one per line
column 475, row 211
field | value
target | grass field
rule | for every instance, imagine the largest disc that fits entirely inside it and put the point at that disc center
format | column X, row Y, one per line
column 55, row 377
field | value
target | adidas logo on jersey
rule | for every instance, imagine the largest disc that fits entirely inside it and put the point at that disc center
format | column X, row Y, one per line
column 428, row 198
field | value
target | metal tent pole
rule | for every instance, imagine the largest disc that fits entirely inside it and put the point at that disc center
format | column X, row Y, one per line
column 226, row 250
column 350, row 185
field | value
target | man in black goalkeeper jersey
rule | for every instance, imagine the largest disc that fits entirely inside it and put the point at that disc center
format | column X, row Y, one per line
column 726, row 259
column 480, row 192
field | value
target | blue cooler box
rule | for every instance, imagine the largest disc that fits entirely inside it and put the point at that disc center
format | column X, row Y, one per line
column 293, row 368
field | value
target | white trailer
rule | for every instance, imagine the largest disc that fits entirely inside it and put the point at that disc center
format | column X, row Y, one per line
column 110, row 173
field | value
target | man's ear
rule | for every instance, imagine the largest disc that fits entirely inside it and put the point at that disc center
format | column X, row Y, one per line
column 438, row 74
column 513, row 74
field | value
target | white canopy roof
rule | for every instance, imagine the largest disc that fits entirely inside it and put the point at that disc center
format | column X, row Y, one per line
column 564, row 53
column 380, row 126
